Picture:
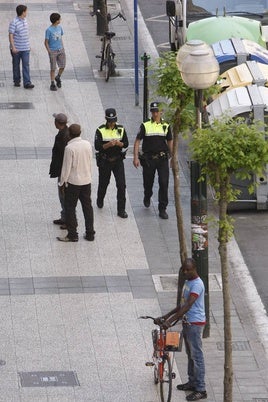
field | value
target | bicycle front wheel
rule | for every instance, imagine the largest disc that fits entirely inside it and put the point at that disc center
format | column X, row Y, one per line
column 165, row 379
column 109, row 62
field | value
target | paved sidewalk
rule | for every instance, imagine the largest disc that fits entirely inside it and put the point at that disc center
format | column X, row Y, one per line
column 74, row 307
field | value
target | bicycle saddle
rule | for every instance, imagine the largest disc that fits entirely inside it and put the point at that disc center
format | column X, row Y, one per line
column 109, row 34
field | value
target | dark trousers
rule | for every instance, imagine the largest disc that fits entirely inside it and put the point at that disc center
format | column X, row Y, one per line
column 74, row 193
column 105, row 171
column 149, row 168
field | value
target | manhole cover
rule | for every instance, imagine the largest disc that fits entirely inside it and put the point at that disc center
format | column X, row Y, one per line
column 48, row 379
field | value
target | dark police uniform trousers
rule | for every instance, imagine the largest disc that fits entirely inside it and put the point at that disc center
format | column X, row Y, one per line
column 149, row 167
column 105, row 170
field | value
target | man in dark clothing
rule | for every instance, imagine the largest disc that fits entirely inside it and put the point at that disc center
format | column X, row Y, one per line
column 111, row 143
column 60, row 143
column 157, row 144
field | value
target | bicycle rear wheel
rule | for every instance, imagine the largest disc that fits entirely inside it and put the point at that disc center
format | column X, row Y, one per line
column 165, row 378
column 109, row 62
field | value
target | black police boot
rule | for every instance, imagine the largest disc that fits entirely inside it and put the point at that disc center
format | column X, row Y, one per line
column 163, row 214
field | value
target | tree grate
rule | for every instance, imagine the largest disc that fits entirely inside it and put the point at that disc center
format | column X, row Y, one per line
column 236, row 346
column 16, row 105
column 259, row 400
column 48, row 379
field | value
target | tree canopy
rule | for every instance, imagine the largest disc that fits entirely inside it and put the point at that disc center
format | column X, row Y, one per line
column 230, row 146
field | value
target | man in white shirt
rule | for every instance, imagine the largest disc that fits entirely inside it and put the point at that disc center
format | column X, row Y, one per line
column 75, row 181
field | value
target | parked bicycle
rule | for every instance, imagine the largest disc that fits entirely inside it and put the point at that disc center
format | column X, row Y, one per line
column 107, row 54
column 165, row 343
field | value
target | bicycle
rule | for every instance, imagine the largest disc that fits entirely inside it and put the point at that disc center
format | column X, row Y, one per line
column 107, row 54
column 164, row 343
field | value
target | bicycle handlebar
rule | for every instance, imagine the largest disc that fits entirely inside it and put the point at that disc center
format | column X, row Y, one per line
column 162, row 320
column 145, row 317
column 108, row 15
column 122, row 16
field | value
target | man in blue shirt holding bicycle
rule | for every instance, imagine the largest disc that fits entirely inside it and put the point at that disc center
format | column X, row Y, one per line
column 192, row 313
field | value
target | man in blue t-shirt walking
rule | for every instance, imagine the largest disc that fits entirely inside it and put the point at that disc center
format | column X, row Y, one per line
column 192, row 313
column 18, row 34
column 55, row 49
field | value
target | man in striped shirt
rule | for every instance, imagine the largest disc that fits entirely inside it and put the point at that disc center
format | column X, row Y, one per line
column 20, row 47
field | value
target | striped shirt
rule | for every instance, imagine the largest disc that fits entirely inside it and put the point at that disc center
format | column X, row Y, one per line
column 19, row 29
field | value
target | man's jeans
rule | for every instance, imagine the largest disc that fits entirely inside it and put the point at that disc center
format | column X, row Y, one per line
column 24, row 57
column 74, row 193
column 192, row 335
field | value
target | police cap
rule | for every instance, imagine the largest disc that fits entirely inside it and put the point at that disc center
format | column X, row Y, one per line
column 154, row 107
column 110, row 115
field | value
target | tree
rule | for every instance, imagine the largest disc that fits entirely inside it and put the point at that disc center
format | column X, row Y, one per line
column 228, row 147
column 167, row 82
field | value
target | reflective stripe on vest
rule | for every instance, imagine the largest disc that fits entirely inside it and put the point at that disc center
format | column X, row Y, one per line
column 109, row 134
column 153, row 128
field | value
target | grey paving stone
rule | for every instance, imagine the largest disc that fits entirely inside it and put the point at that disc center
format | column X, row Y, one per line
column 45, row 282
column 119, row 289
column 116, row 280
column 4, row 283
column 93, row 281
column 4, row 292
column 71, row 290
column 21, row 291
column 144, row 292
column 46, row 291
column 69, row 283
column 97, row 289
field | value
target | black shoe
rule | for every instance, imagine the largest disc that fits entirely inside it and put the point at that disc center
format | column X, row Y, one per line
column 16, row 84
column 122, row 214
column 29, row 86
column 196, row 395
column 58, row 81
column 185, row 387
column 146, row 202
column 53, row 87
column 89, row 237
column 59, row 222
column 163, row 214
column 67, row 239
column 99, row 203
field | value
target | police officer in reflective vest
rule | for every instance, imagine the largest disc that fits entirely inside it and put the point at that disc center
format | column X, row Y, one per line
column 157, row 143
column 111, row 144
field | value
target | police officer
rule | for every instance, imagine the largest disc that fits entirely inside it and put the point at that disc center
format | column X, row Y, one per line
column 111, row 144
column 157, row 144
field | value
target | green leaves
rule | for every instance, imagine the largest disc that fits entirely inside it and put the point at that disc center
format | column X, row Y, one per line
column 166, row 82
column 230, row 146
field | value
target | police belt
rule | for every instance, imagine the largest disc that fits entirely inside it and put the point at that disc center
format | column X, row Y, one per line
column 112, row 158
column 158, row 155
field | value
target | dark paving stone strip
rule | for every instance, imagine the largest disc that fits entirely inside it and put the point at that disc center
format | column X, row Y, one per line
column 139, row 282
column 8, row 153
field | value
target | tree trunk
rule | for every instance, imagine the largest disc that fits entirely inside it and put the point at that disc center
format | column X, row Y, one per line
column 223, row 240
column 179, row 214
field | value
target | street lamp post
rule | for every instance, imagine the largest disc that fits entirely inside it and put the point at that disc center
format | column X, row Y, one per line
column 199, row 70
